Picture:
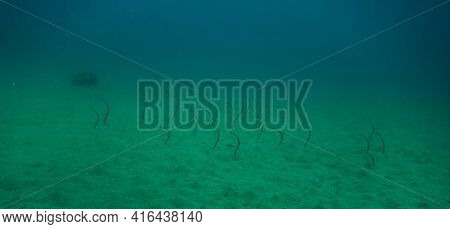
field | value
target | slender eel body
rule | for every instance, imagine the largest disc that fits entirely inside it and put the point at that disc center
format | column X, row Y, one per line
column 238, row 144
column 98, row 117
column 105, row 118
column 218, row 139
column 260, row 133
column 308, row 139
column 383, row 146
column 281, row 137
column 372, row 160
column 168, row 137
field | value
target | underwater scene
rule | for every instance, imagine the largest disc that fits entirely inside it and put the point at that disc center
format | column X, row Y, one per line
column 372, row 112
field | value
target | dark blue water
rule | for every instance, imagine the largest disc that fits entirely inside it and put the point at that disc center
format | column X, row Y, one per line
column 250, row 38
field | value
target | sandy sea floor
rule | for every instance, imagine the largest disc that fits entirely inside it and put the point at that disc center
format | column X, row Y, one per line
column 51, row 157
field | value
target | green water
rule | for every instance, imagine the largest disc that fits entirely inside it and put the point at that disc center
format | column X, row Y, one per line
column 52, row 157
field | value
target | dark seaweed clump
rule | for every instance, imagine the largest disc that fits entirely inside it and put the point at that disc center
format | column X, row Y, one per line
column 85, row 79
